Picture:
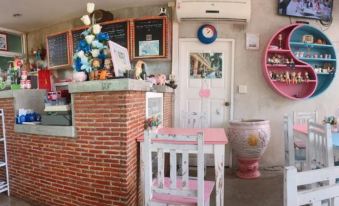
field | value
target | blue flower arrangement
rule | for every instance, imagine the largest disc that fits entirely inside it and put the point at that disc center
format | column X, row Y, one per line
column 92, row 49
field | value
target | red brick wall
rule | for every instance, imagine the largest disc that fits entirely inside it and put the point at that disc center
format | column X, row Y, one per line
column 168, row 109
column 97, row 168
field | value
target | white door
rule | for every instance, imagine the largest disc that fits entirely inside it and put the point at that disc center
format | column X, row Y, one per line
column 205, row 79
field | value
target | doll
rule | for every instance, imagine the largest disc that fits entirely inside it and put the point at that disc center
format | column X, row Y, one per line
column 306, row 77
column 299, row 78
column 287, row 77
column 293, row 78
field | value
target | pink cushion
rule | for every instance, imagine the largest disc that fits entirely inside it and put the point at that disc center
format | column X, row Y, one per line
column 299, row 144
column 174, row 199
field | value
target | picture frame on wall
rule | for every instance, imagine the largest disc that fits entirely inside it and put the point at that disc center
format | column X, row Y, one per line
column 3, row 42
column 120, row 59
column 149, row 37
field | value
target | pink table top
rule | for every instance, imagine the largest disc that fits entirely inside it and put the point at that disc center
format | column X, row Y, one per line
column 302, row 128
column 211, row 135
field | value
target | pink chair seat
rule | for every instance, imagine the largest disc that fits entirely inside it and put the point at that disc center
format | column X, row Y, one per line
column 173, row 199
column 299, row 144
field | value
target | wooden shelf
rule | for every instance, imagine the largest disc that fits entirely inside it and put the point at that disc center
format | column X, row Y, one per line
column 293, row 35
column 301, row 44
column 317, row 59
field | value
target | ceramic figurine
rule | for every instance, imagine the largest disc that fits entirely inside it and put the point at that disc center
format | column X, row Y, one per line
column 160, row 79
column 293, row 78
column 280, row 41
column 306, row 76
column 292, row 64
column 287, row 77
column 299, row 78
column 140, row 68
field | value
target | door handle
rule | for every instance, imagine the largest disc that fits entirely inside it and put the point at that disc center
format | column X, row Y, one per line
column 227, row 104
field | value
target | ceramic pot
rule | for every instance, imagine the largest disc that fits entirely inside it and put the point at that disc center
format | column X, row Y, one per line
column 79, row 76
column 249, row 139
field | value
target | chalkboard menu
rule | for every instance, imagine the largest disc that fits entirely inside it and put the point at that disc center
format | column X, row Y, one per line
column 76, row 37
column 58, row 50
column 149, row 37
column 118, row 32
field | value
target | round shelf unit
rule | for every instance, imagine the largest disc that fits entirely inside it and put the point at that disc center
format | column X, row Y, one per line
column 299, row 62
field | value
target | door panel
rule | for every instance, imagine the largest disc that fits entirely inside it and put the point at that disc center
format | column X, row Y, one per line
column 206, row 67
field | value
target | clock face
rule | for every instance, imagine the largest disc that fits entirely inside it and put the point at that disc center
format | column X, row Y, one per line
column 207, row 34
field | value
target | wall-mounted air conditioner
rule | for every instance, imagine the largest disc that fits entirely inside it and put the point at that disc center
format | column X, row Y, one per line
column 229, row 10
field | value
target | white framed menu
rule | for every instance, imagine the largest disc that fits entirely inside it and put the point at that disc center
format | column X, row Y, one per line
column 120, row 59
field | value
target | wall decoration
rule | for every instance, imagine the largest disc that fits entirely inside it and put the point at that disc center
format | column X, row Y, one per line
column 3, row 42
column 206, row 65
column 295, row 65
column 252, row 41
column 58, row 50
column 207, row 34
column 120, row 59
column 150, row 37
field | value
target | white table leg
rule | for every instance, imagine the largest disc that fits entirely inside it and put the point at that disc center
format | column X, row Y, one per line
column 141, row 200
column 219, row 159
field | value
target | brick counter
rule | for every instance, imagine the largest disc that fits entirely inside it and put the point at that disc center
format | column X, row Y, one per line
column 98, row 167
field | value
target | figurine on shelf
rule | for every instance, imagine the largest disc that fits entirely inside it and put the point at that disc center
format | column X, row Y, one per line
column 320, row 41
column 270, row 74
column 280, row 37
column 293, row 78
column 108, row 66
column 306, row 76
column 292, row 64
column 287, row 77
column 299, row 78
column 140, row 70
column 160, row 79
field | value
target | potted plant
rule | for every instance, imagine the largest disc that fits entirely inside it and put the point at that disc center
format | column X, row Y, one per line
column 153, row 123
column 332, row 120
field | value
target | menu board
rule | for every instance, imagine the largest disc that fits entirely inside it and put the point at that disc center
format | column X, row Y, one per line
column 57, row 50
column 118, row 32
column 76, row 37
column 149, row 37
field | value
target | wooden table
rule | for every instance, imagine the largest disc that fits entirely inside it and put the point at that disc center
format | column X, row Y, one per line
column 214, row 143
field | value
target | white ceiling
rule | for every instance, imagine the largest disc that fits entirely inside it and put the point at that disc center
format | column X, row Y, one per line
column 39, row 13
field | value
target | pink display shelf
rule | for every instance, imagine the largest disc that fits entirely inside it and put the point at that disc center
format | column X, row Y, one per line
column 296, row 80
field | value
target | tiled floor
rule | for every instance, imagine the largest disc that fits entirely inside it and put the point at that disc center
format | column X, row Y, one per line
column 265, row 191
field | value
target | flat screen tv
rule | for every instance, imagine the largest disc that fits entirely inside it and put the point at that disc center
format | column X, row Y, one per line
column 313, row 9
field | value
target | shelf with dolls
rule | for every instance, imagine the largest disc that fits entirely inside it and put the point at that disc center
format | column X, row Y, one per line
column 299, row 62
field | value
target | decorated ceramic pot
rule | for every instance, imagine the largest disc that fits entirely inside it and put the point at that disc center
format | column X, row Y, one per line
column 79, row 76
column 249, row 139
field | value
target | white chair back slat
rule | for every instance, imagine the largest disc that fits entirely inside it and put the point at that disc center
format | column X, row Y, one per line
column 305, row 117
column 184, row 146
column 289, row 141
column 195, row 120
column 327, row 192
column 161, row 166
column 173, row 169
column 320, row 146
column 185, row 170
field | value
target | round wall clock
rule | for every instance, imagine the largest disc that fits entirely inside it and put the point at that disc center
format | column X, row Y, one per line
column 207, row 34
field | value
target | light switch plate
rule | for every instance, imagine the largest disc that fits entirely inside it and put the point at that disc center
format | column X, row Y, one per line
column 242, row 89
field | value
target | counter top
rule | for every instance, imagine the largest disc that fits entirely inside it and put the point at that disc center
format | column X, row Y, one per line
column 116, row 85
column 20, row 92
column 60, row 131
column 109, row 85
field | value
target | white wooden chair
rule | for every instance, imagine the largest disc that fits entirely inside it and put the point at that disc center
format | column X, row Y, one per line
column 319, row 146
column 326, row 193
column 175, row 190
column 194, row 120
column 305, row 117
column 293, row 155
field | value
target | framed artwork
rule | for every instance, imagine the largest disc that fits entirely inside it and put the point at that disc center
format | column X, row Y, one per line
column 3, row 42
column 150, row 37
column 206, row 65
column 120, row 59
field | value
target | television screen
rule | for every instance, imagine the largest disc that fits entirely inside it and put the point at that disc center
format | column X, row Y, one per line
column 314, row 9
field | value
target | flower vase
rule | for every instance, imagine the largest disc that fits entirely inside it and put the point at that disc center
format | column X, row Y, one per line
column 79, row 76
column 249, row 140
column 154, row 129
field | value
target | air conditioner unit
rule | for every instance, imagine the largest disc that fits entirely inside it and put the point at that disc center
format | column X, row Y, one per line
column 229, row 10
